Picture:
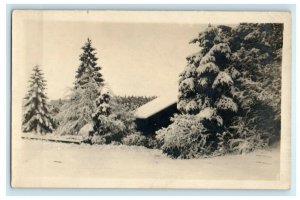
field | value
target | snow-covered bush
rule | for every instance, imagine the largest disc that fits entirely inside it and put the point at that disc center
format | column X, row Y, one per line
column 97, row 139
column 186, row 137
column 122, row 113
column 247, row 136
column 77, row 111
column 135, row 139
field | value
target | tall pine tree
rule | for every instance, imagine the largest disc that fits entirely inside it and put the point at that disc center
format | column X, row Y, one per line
column 88, row 66
column 37, row 117
column 78, row 111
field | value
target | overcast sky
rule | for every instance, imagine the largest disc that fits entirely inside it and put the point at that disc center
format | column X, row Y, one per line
column 136, row 58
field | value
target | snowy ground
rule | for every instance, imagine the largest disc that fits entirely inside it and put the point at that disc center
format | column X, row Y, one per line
column 49, row 164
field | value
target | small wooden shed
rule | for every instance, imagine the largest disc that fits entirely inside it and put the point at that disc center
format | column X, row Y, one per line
column 156, row 114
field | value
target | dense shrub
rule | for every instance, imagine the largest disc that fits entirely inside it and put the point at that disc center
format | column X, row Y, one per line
column 252, row 132
column 137, row 139
column 77, row 111
column 112, row 129
column 186, row 137
column 97, row 139
column 121, row 113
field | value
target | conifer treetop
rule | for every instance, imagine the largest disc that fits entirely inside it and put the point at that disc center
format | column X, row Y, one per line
column 88, row 66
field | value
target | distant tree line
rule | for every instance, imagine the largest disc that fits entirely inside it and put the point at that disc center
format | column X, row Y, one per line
column 131, row 103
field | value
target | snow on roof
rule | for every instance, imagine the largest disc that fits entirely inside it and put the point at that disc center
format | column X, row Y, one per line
column 155, row 105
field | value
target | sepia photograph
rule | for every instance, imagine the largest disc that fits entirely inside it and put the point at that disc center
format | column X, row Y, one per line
column 151, row 99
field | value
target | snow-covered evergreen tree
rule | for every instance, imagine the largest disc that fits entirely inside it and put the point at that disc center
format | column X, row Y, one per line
column 36, row 117
column 102, row 111
column 107, row 125
column 205, row 98
column 88, row 66
column 206, row 82
column 78, row 111
column 233, row 87
column 257, row 56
